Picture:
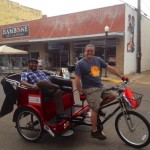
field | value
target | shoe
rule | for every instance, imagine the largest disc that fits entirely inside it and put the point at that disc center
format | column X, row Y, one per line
column 61, row 116
column 101, row 113
column 99, row 135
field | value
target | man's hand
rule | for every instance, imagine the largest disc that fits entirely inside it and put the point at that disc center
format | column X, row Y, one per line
column 125, row 79
column 82, row 97
column 34, row 87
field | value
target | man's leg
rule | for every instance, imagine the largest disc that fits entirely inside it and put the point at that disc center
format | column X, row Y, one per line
column 108, row 96
column 94, row 120
column 57, row 96
column 96, row 133
column 47, row 86
column 108, row 100
column 93, row 98
column 53, row 89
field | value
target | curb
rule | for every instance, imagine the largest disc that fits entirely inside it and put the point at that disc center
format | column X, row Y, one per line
column 120, row 81
column 111, row 80
column 106, row 80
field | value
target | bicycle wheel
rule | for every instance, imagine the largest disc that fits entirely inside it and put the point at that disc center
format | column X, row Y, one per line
column 29, row 125
column 133, row 129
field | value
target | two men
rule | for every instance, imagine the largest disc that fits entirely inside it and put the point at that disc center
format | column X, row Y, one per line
column 88, row 82
column 37, row 79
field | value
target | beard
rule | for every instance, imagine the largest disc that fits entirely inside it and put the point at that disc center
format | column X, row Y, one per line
column 33, row 68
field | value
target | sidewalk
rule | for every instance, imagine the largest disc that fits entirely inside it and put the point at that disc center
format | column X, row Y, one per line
column 142, row 78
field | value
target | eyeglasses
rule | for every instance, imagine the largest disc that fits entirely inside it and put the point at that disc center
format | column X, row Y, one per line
column 90, row 51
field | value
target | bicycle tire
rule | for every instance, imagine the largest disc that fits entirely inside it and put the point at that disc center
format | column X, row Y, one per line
column 31, row 129
column 139, row 136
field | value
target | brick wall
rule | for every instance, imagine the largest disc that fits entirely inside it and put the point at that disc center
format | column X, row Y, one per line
column 74, row 24
column 12, row 12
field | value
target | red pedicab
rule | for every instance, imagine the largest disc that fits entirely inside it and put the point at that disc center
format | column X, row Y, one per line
column 35, row 114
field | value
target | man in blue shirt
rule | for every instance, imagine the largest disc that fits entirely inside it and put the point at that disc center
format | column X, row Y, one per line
column 37, row 79
column 88, row 82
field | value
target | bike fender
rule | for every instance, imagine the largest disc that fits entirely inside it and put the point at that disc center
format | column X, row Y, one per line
column 19, row 109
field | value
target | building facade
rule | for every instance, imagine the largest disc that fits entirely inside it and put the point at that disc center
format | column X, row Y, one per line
column 60, row 40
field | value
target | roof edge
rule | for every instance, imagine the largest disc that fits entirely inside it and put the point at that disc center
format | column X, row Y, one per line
column 65, row 38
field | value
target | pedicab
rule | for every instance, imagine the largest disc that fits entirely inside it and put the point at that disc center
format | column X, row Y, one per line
column 36, row 114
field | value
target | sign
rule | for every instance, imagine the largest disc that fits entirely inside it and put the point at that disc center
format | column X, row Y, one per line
column 15, row 31
column 55, row 46
column 34, row 99
column 65, row 73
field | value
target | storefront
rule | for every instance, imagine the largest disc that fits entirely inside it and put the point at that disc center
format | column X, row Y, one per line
column 60, row 40
column 61, row 53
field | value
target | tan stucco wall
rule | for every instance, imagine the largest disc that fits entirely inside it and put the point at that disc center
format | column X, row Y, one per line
column 12, row 12
column 145, row 44
column 120, row 55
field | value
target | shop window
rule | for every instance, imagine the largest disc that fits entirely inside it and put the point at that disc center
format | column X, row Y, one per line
column 111, row 56
column 35, row 55
column 112, row 60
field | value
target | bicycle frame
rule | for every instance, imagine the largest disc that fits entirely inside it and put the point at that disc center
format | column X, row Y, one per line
column 121, row 100
column 113, row 112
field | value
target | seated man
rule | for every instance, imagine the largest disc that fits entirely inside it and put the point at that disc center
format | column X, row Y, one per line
column 37, row 79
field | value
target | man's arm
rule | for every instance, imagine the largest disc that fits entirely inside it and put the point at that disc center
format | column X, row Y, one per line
column 78, row 84
column 114, row 71
column 29, row 85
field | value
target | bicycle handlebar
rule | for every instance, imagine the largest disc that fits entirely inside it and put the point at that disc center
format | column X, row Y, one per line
column 125, row 79
column 119, row 88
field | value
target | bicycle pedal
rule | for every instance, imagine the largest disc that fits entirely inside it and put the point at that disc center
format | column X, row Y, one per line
column 68, row 133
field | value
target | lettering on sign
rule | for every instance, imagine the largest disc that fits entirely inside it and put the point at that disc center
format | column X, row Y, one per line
column 34, row 99
column 15, row 31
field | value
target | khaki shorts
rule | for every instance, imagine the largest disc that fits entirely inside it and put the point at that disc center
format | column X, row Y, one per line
column 95, row 95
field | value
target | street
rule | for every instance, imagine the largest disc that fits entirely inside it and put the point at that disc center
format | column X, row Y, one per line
column 81, row 140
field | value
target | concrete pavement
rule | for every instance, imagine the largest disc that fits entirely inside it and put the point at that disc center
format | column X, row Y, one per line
column 141, row 78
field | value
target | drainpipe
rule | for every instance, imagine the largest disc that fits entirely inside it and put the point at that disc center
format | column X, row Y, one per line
column 139, row 37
